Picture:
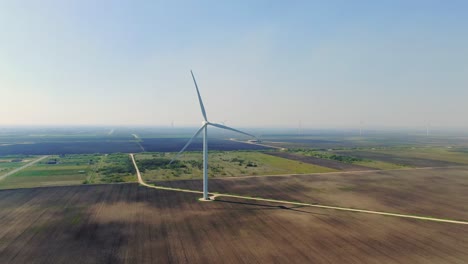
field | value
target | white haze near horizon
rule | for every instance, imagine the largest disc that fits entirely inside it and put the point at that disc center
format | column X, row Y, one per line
column 271, row 63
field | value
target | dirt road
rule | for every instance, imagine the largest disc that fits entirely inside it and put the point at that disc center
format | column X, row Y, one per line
column 215, row 195
column 258, row 144
column 22, row 167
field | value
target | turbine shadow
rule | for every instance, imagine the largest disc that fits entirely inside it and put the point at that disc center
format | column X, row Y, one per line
column 269, row 207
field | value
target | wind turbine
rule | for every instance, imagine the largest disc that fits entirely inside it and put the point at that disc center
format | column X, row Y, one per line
column 360, row 128
column 204, row 128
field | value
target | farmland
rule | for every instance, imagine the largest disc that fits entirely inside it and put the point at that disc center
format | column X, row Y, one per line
column 106, row 145
column 222, row 164
column 421, row 157
column 76, row 169
column 175, row 144
column 319, row 161
column 110, row 168
column 73, row 170
column 449, row 155
column 9, row 163
column 372, row 139
column 433, row 192
column 97, row 222
column 131, row 223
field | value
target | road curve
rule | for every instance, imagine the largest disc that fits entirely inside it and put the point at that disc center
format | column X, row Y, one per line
column 140, row 181
column 214, row 195
column 22, row 167
column 258, row 144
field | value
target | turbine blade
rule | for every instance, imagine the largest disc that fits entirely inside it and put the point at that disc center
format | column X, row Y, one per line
column 187, row 144
column 199, row 97
column 232, row 129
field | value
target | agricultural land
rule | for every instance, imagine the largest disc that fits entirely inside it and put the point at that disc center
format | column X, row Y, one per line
column 131, row 223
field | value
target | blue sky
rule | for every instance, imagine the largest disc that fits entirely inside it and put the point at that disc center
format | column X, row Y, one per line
column 258, row 63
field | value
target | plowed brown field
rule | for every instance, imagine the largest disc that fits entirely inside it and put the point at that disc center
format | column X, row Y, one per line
column 127, row 223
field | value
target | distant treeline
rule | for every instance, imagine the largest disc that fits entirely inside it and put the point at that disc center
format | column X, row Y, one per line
column 330, row 156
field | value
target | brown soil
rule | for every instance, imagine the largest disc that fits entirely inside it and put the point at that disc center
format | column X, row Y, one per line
column 133, row 224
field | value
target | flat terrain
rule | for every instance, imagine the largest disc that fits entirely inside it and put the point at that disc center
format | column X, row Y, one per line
column 320, row 162
column 134, row 224
column 451, row 156
column 10, row 163
column 16, row 169
column 176, row 144
column 225, row 164
column 71, row 169
column 51, row 142
column 402, row 157
column 438, row 192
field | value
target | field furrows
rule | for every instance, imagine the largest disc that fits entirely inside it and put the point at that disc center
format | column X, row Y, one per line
column 435, row 193
column 127, row 223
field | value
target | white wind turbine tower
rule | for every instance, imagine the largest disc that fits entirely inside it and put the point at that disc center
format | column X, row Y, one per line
column 204, row 128
column 360, row 128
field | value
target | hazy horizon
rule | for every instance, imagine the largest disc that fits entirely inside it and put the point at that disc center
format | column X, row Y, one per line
column 301, row 131
column 386, row 64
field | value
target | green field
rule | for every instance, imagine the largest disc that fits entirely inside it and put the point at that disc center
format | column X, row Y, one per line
column 330, row 155
column 458, row 155
column 75, row 169
column 72, row 170
column 9, row 163
column 6, row 166
column 382, row 165
column 223, row 164
column 412, row 156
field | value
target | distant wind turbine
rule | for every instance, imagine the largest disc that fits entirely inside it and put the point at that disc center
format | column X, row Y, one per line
column 204, row 128
column 360, row 128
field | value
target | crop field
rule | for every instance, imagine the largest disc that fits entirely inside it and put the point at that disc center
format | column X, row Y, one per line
column 59, row 148
column 8, row 163
column 350, row 139
column 59, row 145
column 73, row 170
column 437, row 192
column 413, row 157
column 127, row 223
column 222, row 164
column 341, row 160
column 451, row 155
column 319, row 161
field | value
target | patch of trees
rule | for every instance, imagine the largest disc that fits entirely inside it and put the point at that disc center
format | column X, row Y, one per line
column 242, row 162
column 196, row 164
column 118, row 168
column 345, row 159
column 124, row 167
column 159, row 163
column 329, row 156
column 251, row 164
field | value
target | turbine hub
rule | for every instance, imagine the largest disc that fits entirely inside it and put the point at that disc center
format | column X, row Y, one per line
column 204, row 123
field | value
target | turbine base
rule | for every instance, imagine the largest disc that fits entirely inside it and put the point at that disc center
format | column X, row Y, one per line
column 205, row 200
